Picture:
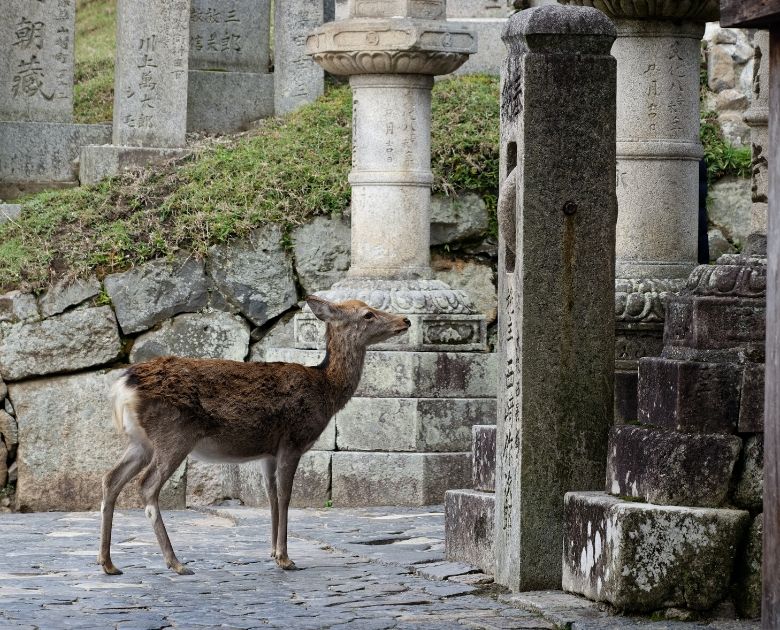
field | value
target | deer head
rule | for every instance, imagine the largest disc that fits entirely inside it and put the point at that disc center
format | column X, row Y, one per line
column 357, row 320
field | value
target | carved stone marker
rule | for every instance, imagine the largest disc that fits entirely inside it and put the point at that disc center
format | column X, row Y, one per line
column 556, row 294
column 150, row 88
column 297, row 78
column 229, row 81
column 36, row 60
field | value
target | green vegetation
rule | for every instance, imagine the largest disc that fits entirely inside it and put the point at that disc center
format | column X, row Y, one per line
column 285, row 172
column 722, row 157
column 95, row 46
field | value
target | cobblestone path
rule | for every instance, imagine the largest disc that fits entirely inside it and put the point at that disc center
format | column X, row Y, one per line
column 364, row 569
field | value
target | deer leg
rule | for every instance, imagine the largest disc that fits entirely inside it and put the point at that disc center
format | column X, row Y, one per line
column 134, row 459
column 287, row 464
column 158, row 472
column 268, row 466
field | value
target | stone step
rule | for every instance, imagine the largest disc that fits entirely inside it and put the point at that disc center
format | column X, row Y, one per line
column 670, row 468
column 377, row 478
column 483, row 452
column 468, row 523
column 642, row 557
column 413, row 374
column 410, row 424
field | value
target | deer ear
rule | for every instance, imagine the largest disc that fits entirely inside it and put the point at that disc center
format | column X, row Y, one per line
column 324, row 310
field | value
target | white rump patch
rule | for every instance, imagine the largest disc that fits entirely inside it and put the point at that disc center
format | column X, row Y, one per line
column 151, row 513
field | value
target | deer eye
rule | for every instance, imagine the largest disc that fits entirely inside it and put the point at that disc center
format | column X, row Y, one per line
column 369, row 315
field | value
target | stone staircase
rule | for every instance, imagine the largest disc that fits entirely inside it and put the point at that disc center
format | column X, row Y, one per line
column 469, row 513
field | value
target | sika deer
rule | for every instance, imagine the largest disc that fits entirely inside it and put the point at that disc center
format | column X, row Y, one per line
column 229, row 411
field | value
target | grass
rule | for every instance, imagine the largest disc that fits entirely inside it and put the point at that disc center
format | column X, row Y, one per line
column 286, row 172
column 95, row 48
column 722, row 158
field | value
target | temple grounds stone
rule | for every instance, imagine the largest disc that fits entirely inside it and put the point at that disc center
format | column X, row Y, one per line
column 483, row 453
column 67, row 292
column 37, row 41
column 749, row 487
column 671, row 468
column 17, row 306
column 748, row 593
column 67, row 442
column 74, row 340
column 611, row 552
column 469, row 527
column 556, row 345
column 150, row 88
column 297, row 78
column 227, row 102
column 322, row 250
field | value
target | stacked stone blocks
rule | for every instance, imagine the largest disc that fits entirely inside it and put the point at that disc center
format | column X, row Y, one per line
column 686, row 481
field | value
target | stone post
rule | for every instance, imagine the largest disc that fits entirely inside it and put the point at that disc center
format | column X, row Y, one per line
column 556, row 293
column 230, row 84
column 38, row 142
column 150, row 89
column 657, row 176
column 757, row 116
column 297, row 79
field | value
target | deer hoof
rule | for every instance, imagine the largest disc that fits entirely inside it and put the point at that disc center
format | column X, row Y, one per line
column 182, row 570
column 110, row 569
column 286, row 564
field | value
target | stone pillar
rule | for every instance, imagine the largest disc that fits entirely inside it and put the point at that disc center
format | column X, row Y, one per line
column 657, row 170
column 557, row 292
column 297, row 79
column 230, row 84
column 757, row 116
column 150, row 89
column 38, row 142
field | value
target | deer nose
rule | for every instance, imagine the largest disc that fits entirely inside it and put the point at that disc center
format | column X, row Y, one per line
column 407, row 322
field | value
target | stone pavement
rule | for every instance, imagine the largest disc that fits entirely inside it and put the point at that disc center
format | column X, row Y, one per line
column 367, row 569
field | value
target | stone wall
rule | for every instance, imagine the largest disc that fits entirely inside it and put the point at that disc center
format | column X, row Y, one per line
column 60, row 350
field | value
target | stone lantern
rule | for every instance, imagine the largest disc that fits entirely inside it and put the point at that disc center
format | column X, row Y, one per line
column 405, row 436
column 658, row 153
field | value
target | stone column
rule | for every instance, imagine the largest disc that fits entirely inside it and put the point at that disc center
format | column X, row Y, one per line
column 657, row 176
column 556, row 289
column 150, row 89
column 38, row 142
column 297, row 79
column 230, row 84
column 757, row 116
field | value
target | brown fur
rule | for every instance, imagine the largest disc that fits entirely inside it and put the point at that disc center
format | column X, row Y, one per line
column 274, row 411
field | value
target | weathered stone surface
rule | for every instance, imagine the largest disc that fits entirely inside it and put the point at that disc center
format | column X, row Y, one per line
column 298, row 80
column 36, row 61
column 689, row 396
column 207, row 335
column 281, row 335
column 413, row 374
column 483, row 451
column 65, row 343
column 718, row 245
column 227, row 102
column 16, row 306
column 490, row 49
column 255, row 275
column 747, row 595
column 67, row 442
column 397, row 478
column 146, row 295
column 642, row 557
column 68, row 292
column 477, row 9
column 311, row 488
column 3, row 389
column 557, row 293
column 3, row 465
column 9, row 429
column 468, row 526
column 96, row 162
column 33, row 154
column 671, row 468
column 749, row 477
column 457, row 218
column 751, row 403
column 207, row 484
column 230, row 36
column 152, row 42
column 720, row 70
column 475, row 279
column 322, row 249
column 728, row 207
column 410, row 424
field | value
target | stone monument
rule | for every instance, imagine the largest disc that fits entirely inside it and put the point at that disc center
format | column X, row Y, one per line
column 230, row 83
column 150, row 89
column 757, row 117
column 38, row 140
column 657, row 173
column 420, row 393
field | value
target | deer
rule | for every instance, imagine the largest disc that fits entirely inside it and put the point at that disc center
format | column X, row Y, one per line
column 232, row 412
